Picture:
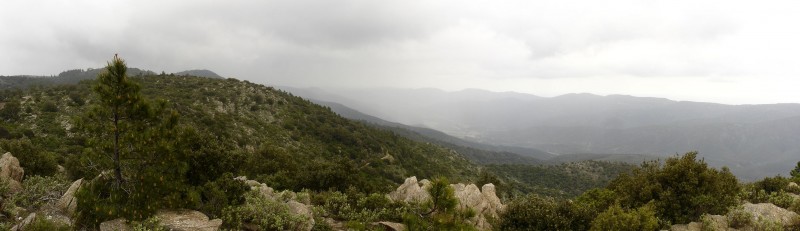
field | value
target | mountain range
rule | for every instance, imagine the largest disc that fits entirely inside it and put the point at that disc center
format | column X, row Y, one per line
column 753, row 140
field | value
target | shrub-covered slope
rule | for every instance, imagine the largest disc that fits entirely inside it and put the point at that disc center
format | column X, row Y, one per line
column 244, row 128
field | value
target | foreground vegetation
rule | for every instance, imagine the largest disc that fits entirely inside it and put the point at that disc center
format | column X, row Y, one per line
column 156, row 142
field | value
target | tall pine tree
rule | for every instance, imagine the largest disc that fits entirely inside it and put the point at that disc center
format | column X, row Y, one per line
column 139, row 144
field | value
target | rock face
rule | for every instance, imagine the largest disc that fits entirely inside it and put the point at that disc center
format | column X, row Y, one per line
column 483, row 201
column 181, row 220
column 763, row 211
column 392, row 226
column 411, row 191
column 770, row 212
column 68, row 203
column 187, row 220
column 24, row 224
column 793, row 186
column 11, row 172
column 119, row 224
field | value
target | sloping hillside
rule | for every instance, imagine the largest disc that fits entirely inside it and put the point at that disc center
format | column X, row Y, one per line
column 247, row 129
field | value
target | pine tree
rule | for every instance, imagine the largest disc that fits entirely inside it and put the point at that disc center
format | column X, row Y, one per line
column 120, row 102
column 140, row 143
column 795, row 173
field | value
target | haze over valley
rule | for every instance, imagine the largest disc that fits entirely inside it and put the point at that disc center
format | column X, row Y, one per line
column 469, row 115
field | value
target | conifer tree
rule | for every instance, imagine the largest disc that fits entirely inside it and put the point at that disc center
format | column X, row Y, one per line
column 120, row 102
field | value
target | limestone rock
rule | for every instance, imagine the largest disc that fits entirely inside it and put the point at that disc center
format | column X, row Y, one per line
column 27, row 221
column 187, row 220
column 119, row 224
column 793, row 187
column 303, row 210
column 391, row 226
column 694, row 226
column 410, row 191
column 771, row 212
column 718, row 222
column 68, row 203
column 11, row 172
column 484, row 201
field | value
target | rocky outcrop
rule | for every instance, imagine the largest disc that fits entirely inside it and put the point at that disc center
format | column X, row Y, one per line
column 24, row 224
column 180, row 220
column 793, row 187
column 68, row 203
column 119, row 224
column 187, row 220
column 694, row 226
column 411, row 191
column 11, row 172
column 759, row 212
column 297, row 206
column 770, row 212
column 484, row 202
column 391, row 226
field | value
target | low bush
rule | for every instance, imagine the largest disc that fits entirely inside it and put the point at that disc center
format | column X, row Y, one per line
column 739, row 218
column 616, row 218
column 265, row 213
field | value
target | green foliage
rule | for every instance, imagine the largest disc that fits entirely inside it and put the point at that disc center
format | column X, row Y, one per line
column 439, row 211
column 223, row 192
column 598, row 199
column 739, row 218
column 265, row 213
column 38, row 190
column 359, row 207
column 534, row 212
column 40, row 223
column 781, row 199
column 149, row 224
column 681, row 191
column 562, row 181
column 616, row 218
column 10, row 111
column 32, row 158
column 772, row 184
column 795, row 173
column 768, row 225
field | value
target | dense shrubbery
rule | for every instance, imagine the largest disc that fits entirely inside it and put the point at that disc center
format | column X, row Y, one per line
column 32, row 158
column 264, row 213
column 534, row 212
column 681, row 190
column 562, row 181
column 616, row 218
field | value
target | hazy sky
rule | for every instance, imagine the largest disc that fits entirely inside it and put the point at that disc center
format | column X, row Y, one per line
column 719, row 51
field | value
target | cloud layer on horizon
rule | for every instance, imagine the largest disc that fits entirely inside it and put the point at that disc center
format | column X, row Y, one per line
column 717, row 51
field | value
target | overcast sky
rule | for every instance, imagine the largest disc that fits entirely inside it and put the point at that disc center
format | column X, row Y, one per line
column 718, row 51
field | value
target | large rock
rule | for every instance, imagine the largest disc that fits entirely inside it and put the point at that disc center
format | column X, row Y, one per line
column 303, row 210
column 694, row 226
column 187, row 220
column 24, row 224
column 484, row 202
column 119, row 224
column 11, row 172
column 411, row 191
column 68, row 203
column 771, row 212
column 793, row 187
column 391, row 226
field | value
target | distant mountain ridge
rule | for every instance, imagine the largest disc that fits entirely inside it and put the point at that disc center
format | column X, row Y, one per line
column 753, row 140
column 76, row 75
